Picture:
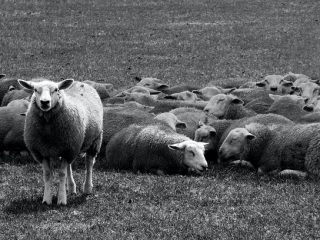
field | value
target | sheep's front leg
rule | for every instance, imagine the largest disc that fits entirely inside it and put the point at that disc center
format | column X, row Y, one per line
column 62, row 192
column 71, row 185
column 47, row 178
column 87, row 186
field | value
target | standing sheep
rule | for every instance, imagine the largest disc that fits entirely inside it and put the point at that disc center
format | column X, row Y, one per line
column 63, row 120
column 154, row 148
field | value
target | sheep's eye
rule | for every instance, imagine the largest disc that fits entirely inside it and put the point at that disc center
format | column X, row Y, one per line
column 193, row 154
column 35, row 90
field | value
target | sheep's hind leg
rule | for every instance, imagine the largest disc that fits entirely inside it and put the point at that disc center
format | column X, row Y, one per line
column 62, row 192
column 87, row 186
column 47, row 178
column 71, row 185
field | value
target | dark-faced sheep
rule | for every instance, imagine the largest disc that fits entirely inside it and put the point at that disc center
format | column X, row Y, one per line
column 227, row 107
column 154, row 148
column 63, row 120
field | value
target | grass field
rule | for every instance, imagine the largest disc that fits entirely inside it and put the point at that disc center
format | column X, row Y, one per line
column 193, row 41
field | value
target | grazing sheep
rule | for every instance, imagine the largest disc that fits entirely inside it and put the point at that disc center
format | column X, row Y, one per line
column 12, row 126
column 104, row 89
column 152, row 83
column 63, row 120
column 280, row 148
column 207, row 92
column 14, row 95
column 183, row 96
column 227, row 107
column 154, row 148
column 206, row 133
column 275, row 83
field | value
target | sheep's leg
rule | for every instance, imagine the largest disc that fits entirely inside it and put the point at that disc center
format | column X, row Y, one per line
column 71, row 185
column 47, row 178
column 87, row 186
column 290, row 172
column 62, row 192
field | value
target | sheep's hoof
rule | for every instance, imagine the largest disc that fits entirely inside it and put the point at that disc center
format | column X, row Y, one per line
column 46, row 202
column 87, row 189
column 72, row 189
column 62, row 202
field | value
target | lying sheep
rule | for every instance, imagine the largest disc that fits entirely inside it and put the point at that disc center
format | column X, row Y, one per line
column 154, row 148
column 137, row 89
column 14, row 95
column 183, row 96
column 152, row 83
column 129, row 105
column 249, row 94
column 275, row 83
column 206, row 133
column 280, row 148
column 12, row 126
column 227, row 107
column 179, row 88
column 207, row 92
column 63, row 120
column 172, row 120
column 292, row 77
column 104, row 89
column 235, row 82
column 6, row 84
column 308, row 90
column 190, row 116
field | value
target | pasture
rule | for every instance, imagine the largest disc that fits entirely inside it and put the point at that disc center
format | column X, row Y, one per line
column 187, row 41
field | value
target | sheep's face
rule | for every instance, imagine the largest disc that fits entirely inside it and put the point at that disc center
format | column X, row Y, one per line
column 46, row 93
column 206, row 133
column 152, row 83
column 183, row 96
column 308, row 90
column 172, row 120
column 275, row 83
column 193, row 154
column 234, row 144
column 219, row 104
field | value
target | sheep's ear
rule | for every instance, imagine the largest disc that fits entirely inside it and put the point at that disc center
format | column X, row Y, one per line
column 170, row 97
column 26, row 84
column 138, row 79
column 162, row 87
column 237, row 101
column 11, row 88
column 250, row 136
column 23, row 114
column 181, row 125
column 212, row 133
column 152, row 91
column 2, row 75
column 203, row 144
column 261, row 83
column 177, row 146
column 197, row 92
column 65, row 84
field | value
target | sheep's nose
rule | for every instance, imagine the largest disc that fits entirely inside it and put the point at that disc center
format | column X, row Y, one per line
column 273, row 89
column 308, row 108
column 45, row 103
column 206, row 110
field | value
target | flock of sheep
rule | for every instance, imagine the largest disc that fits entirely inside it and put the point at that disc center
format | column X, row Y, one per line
column 271, row 126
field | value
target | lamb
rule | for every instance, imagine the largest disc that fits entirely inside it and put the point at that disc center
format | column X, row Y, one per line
column 104, row 89
column 152, row 83
column 63, row 120
column 227, row 107
column 154, row 148
column 281, row 148
column 14, row 95
column 12, row 125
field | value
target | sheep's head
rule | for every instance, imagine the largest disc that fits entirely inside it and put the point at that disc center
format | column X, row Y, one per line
column 46, row 93
column 205, row 133
column 152, row 83
column 193, row 154
column 275, row 83
column 171, row 119
column 234, row 144
column 183, row 96
column 219, row 104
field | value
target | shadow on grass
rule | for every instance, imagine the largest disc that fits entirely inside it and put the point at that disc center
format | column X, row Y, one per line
column 34, row 204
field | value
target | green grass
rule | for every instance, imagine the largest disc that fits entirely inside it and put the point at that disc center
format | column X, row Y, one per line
column 192, row 41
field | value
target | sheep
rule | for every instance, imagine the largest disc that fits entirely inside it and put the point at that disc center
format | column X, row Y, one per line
column 129, row 105
column 138, row 89
column 179, row 88
column 207, row 92
column 14, row 95
column 223, row 127
column 183, row 96
column 172, row 120
column 12, row 126
column 292, row 77
column 190, row 116
column 63, row 120
column 154, row 148
column 6, row 84
column 227, row 107
column 249, row 94
column 227, row 82
column 275, row 83
column 104, row 89
column 206, row 133
column 281, row 148
column 152, row 83
column 290, row 106
column 309, row 90
column 260, row 105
